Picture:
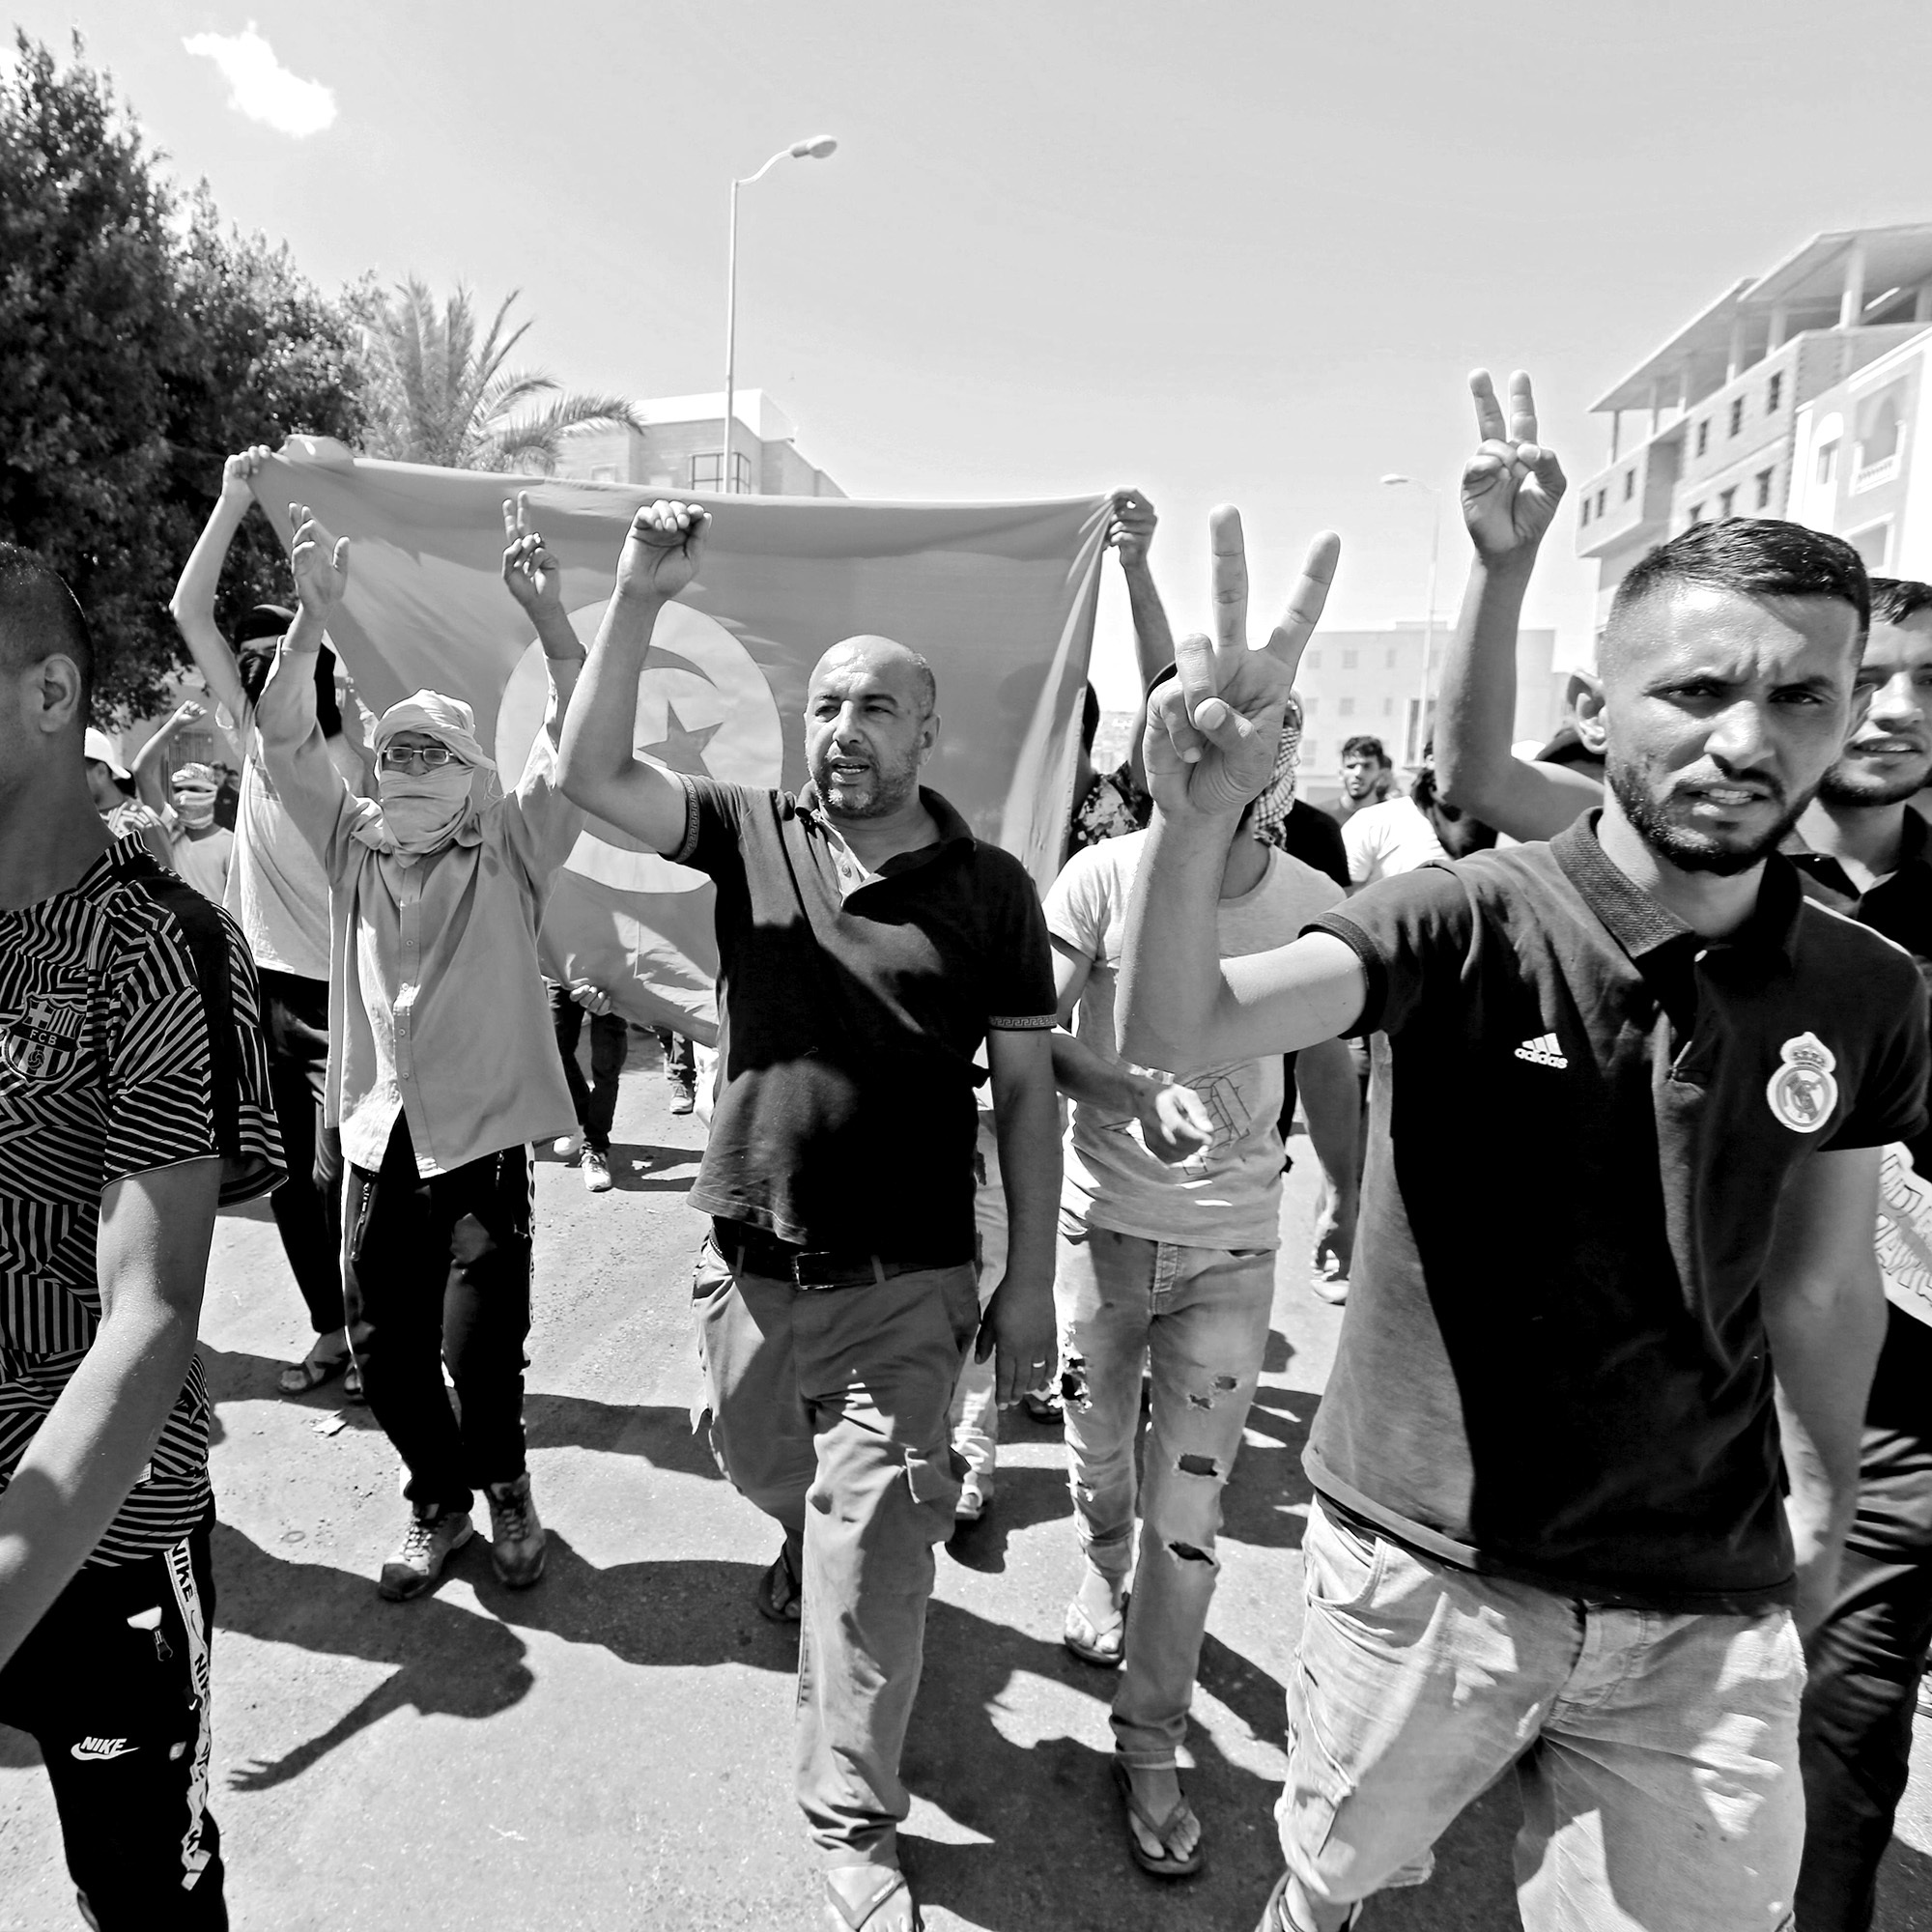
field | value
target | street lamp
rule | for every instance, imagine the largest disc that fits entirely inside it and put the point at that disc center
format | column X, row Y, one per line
column 814, row 149
column 1397, row 482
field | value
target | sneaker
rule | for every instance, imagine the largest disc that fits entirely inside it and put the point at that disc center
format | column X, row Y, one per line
column 597, row 1170
column 432, row 1537
column 974, row 1499
column 566, row 1146
column 516, row 1537
column 1333, row 1288
column 683, row 1098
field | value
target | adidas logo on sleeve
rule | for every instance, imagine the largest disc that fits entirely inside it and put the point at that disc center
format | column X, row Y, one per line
column 1543, row 1051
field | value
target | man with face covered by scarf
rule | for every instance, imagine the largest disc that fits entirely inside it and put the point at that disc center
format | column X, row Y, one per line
column 437, row 887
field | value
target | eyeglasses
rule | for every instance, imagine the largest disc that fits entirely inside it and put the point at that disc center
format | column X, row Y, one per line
column 412, row 757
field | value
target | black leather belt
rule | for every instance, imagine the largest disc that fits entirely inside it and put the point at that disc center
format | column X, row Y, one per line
column 751, row 1252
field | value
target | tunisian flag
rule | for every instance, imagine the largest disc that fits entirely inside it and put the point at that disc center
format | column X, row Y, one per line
column 999, row 598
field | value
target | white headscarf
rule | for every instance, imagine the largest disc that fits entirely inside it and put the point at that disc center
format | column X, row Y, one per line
column 420, row 813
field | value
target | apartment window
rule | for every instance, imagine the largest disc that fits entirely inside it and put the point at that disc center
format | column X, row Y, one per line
column 1389, row 665
column 1629, row 484
column 1696, row 513
column 1828, row 459
column 1737, row 414
column 1764, row 489
column 1313, row 661
column 1388, row 707
column 1873, row 543
column 603, row 473
column 1348, row 660
column 1603, row 499
column 1587, row 513
column 1309, row 705
column 1344, row 707
column 1725, row 500
column 1774, row 394
column 1703, row 435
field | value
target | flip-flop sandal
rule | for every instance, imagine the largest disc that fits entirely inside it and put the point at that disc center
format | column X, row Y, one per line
column 298, row 1378
column 1162, row 1863
column 1089, row 1642
column 839, row 1916
column 351, row 1382
column 1272, row 1913
column 779, row 1592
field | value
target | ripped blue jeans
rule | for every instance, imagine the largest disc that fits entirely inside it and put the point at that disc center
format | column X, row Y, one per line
column 1198, row 1319
column 829, row 1412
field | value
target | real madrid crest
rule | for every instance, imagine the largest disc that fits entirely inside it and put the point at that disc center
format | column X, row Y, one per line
column 1803, row 1093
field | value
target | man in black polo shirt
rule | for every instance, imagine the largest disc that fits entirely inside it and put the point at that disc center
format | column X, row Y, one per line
column 868, row 945
column 1549, row 1528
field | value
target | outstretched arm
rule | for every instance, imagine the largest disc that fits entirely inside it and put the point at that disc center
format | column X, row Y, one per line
column 1131, row 536
column 193, row 606
column 599, row 768
column 1825, row 1313
column 1511, row 489
column 1211, row 742
column 146, row 770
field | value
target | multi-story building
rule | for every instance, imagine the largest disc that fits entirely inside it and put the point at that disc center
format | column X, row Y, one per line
column 682, row 447
column 1370, row 681
column 1798, row 394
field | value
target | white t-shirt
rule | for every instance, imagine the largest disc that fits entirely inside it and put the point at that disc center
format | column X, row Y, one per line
column 276, row 888
column 202, row 862
column 1386, row 838
column 1228, row 1195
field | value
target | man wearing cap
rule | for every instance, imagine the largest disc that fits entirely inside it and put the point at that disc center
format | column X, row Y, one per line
column 436, row 888
column 277, row 893
column 123, row 816
column 869, row 944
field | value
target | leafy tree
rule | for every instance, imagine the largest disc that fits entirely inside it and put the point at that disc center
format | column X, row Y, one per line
column 140, row 345
column 438, row 395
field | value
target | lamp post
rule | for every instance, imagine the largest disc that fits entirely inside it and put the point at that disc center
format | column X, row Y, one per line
column 815, row 149
column 1398, row 482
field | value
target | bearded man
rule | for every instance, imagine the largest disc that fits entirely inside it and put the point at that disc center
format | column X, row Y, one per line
column 437, row 887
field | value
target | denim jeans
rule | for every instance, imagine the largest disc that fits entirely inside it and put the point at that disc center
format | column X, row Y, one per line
column 1657, row 1754
column 828, row 1412
column 1198, row 1318
column 975, row 1414
column 595, row 1102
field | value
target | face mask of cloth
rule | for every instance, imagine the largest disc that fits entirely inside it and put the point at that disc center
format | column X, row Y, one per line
column 422, row 809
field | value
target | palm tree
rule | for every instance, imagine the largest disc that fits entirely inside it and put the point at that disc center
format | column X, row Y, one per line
column 438, row 395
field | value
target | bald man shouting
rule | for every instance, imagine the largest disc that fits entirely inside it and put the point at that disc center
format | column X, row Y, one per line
column 868, row 944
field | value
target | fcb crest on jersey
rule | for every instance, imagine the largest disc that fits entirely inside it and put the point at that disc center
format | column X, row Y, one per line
column 43, row 1040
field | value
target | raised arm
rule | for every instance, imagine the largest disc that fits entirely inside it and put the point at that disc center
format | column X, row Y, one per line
column 152, row 757
column 599, row 767
column 193, row 606
column 151, row 1260
column 1510, row 487
column 1131, row 536
column 1825, row 1313
column 1211, row 742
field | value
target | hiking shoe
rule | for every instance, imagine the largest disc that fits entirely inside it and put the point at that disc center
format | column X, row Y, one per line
column 597, row 1170
column 566, row 1146
column 432, row 1537
column 683, row 1098
column 516, row 1536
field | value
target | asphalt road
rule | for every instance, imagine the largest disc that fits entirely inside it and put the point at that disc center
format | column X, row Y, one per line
column 612, row 1748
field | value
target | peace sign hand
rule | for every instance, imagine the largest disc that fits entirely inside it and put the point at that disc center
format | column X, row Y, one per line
column 1214, row 730
column 533, row 576
column 1511, row 486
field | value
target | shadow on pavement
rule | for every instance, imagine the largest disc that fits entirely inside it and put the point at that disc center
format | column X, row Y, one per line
column 1023, row 1499
column 1904, row 1891
column 1266, row 1500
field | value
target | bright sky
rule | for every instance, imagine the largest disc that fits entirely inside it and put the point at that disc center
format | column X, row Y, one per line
column 1238, row 252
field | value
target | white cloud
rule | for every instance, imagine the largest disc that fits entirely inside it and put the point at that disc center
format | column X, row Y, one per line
column 260, row 87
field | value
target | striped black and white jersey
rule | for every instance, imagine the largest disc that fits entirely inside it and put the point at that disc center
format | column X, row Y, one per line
column 130, row 1039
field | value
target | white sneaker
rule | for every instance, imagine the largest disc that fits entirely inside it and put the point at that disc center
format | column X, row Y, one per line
column 566, row 1146
column 973, row 1498
column 596, row 1170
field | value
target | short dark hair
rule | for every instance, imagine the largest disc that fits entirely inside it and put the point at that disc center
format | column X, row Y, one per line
column 1365, row 745
column 1895, row 598
column 40, row 618
column 1755, row 557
